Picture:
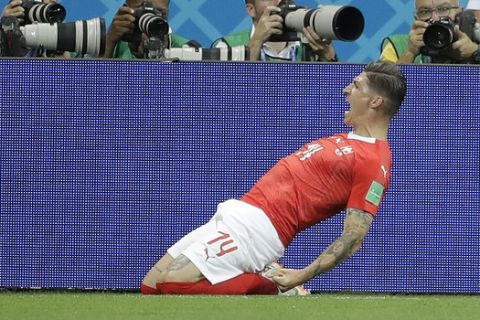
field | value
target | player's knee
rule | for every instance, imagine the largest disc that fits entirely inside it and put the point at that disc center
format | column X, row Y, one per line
column 149, row 283
column 150, row 279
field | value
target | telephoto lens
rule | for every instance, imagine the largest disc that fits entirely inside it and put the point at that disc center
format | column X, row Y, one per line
column 37, row 11
column 81, row 36
column 236, row 53
column 152, row 24
column 150, row 21
column 343, row 23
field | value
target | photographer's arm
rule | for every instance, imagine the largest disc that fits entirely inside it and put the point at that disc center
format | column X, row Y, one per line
column 123, row 23
column 415, row 42
column 464, row 48
column 356, row 226
column 267, row 25
column 322, row 48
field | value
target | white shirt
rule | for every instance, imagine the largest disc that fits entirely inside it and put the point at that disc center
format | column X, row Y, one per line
column 268, row 53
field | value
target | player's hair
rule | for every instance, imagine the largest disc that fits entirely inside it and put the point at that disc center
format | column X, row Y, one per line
column 386, row 79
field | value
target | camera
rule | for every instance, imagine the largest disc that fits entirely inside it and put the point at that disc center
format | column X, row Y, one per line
column 149, row 21
column 344, row 23
column 37, row 11
column 440, row 35
column 236, row 53
column 156, row 48
column 82, row 36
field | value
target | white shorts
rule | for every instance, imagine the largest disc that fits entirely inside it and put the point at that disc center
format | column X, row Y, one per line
column 239, row 238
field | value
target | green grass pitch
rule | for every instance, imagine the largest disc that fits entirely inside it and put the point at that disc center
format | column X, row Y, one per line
column 113, row 305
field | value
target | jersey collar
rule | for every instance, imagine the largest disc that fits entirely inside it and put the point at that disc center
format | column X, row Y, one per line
column 354, row 136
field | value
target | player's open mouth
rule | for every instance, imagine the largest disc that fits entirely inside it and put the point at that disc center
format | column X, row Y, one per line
column 349, row 107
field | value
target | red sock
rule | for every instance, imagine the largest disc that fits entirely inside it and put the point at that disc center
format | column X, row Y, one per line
column 148, row 290
column 247, row 283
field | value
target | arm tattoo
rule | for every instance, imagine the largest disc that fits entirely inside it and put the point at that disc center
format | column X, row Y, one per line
column 180, row 262
column 356, row 225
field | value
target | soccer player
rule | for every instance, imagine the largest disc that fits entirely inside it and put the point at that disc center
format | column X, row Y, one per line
column 346, row 171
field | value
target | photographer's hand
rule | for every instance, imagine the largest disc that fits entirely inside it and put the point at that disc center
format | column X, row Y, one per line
column 267, row 25
column 123, row 23
column 321, row 47
column 415, row 42
column 463, row 48
column 15, row 9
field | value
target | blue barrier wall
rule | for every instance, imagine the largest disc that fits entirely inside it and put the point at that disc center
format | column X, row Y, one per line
column 206, row 21
column 105, row 164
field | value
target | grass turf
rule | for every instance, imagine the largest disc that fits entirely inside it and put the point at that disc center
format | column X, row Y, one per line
column 132, row 306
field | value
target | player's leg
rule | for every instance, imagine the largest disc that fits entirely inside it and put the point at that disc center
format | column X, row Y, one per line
column 148, row 285
column 229, row 256
column 150, row 280
column 217, row 258
column 174, row 270
column 246, row 283
column 181, row 269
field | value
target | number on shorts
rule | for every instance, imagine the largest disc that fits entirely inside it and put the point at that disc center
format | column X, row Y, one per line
column 226, row 241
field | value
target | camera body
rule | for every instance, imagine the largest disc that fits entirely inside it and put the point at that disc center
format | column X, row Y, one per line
column 344, row 23
column 440, row 34
column 289, row 34
column 148, row 21
column 37, row 11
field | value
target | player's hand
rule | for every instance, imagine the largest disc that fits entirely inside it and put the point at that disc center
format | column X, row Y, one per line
column 320, row 46
column 15, row 9
column 286, row 279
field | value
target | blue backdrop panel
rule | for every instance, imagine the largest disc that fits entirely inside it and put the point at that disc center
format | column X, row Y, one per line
column 206, row 21
column 105, row 164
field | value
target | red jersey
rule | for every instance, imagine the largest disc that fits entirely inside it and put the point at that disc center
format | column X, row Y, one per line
column 321, row 179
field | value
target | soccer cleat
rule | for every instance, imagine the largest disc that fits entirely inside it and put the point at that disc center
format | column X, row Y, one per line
column 297, row 291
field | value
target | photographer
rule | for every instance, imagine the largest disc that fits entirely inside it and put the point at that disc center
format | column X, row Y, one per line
column 411, row 48
column 14, row 8
column 122, row 40
column 265, row 24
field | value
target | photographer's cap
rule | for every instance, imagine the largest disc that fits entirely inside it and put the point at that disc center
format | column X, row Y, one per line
column 473, row 5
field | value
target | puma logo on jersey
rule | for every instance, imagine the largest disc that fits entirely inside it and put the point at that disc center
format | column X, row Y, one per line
column 207, row 255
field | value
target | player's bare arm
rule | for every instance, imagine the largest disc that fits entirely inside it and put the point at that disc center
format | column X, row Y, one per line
column 356, row 226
